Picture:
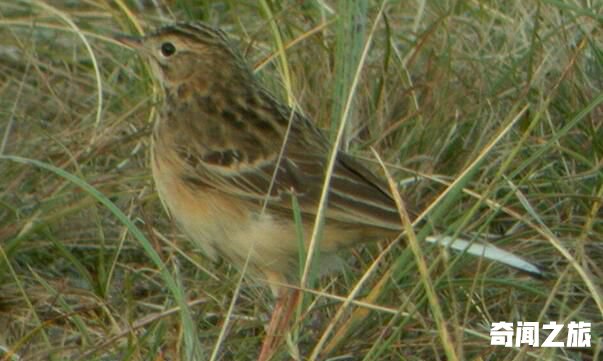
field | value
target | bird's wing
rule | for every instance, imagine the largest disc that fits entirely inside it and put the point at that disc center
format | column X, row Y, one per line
column 356, row 196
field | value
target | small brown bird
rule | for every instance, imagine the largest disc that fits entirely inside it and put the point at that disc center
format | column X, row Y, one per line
column 228, row 158
column 226, row 168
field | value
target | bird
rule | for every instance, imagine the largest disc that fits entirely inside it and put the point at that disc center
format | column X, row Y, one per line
column 229, row 160
column 227, row 157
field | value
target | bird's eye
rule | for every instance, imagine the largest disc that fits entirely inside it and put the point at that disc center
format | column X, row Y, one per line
column 167, row 49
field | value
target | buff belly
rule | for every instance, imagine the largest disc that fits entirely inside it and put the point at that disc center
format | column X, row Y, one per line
column 225, row 226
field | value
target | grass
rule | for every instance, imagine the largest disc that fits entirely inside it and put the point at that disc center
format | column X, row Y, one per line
column 92, row 269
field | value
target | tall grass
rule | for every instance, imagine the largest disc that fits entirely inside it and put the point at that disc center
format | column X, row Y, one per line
column 495, row 104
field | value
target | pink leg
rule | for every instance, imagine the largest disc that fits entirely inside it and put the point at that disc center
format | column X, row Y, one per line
column 279, row 322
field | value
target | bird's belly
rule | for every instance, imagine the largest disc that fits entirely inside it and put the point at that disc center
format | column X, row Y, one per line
column 226, row 226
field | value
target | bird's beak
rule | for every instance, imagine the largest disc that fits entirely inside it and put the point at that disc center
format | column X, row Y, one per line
column 131, row 41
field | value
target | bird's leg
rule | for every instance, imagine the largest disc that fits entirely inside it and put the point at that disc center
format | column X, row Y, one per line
column 279, row 321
